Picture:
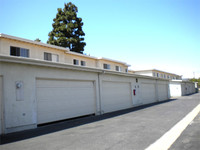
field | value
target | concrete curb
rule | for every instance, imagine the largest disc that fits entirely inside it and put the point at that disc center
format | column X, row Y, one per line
column 170, row 137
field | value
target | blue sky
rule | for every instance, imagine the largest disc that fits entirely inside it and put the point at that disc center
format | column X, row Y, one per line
column 161, row 34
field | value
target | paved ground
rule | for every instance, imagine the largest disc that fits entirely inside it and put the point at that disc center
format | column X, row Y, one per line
column 190, row 138
column 132, row 129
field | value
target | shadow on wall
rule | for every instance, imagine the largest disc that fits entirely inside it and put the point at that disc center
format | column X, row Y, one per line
column 66, row 124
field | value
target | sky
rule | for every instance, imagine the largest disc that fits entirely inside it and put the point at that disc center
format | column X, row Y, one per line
column 147, row 34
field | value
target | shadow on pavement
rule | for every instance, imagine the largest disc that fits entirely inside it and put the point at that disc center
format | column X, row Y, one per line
column 70, row 123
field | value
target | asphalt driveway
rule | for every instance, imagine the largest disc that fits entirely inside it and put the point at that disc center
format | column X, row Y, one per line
column 131, row 129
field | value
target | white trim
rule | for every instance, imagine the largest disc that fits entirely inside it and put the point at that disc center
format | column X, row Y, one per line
column 38, row 62
column 108, row 59
column 156, row 70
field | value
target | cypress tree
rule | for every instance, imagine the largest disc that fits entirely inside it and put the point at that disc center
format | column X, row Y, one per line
column 67, row 29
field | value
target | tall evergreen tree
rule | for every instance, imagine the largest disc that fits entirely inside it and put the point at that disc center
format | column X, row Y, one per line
column 67, row 29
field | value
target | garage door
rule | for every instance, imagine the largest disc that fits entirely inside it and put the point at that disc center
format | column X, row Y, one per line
column 162, row 92
column 115, row 96
column 61, row 99
column 148, row 93
column 175, row 89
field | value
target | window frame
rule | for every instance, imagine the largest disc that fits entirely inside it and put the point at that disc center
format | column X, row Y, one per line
column 19, row 52
column 106, row 66
column 157, row 74
column 83, row 63
column 47, row 56
column 118, row 68
column 75, row 62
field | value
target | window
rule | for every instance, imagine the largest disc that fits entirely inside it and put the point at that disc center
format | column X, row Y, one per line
column 83, row 63
column 118, row 68
column 157, row 74
column 126, row 70
column 47, row 56
column 154, row 74
column 106, row 66
column 51, row 57
column 54, row 57
column 17, row 51
column 76, row 62
column 164, row 76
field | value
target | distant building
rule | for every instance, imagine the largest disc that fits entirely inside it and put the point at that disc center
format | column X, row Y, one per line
column 158, row 74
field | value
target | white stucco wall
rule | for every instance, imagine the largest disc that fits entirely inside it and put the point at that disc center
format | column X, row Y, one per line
column 21, row 114
column 1, row 104
column 21, row 106
column 181, row 88
column 36, row 51
column 145, row 73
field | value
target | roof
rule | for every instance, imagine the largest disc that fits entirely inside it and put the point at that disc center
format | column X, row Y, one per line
column 33, row 42
column 157, row 70
column 108, row 59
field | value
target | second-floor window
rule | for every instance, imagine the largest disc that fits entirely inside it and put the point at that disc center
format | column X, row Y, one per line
column 83, row 63
column 118, row 68
column 157, row 74
column 76, row 62
column 106, row 66
column 17, row 51
column 51, row 57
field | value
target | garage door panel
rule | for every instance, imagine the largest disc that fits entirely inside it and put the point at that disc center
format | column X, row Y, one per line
column 62, row 99
column 116, row 96
column 148, row 93
column 50, row 93
column 162, row 92
column 64, row 84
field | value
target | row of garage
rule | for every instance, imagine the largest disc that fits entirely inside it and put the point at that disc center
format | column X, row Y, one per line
column 180, row 88
column 35, row 93
column 62, row 99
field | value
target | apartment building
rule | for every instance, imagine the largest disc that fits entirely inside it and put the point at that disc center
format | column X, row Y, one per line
column 19, row 47
column 158, row 74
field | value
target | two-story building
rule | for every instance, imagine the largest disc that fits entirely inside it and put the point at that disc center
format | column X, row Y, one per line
column 19, row 47
column 42, row 83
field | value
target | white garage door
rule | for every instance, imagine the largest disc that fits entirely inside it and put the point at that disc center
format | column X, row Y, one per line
column 175, row 89
column 115, row 96
column 62, row 99
column 148, row 93
column 162, row 92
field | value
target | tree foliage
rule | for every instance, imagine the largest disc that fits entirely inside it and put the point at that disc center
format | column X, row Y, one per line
column 196, row 80
column 37, row 40
column 67, row 29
